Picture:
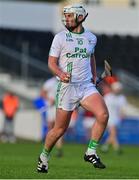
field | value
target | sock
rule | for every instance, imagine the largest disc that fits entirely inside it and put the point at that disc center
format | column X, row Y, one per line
column 45, row 154
column 45, row 151
column 92, row 147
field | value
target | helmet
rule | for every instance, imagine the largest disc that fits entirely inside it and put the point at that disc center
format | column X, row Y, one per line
column 77, row 10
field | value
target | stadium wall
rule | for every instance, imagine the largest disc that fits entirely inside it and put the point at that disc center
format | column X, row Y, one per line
column 46, row 17
column 27, row 125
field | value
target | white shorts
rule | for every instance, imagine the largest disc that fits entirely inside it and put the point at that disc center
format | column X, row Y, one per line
column 69, row 95
column 51, row 113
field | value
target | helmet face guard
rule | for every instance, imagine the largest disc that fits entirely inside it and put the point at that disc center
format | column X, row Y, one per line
column 77, row 11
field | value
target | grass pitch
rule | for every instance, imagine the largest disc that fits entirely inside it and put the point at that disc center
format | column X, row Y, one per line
column 19, row 161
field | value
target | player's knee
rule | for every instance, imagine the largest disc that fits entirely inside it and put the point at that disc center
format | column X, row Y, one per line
column 59, row 132
column 103, row 117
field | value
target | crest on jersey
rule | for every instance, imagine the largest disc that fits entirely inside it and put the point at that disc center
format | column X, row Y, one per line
column 69, row 37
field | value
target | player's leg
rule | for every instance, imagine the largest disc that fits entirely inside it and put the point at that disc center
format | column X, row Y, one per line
column 59, row 149
column 113, row 138
column 95, row 104
column 4, row 136
column 108, row 141
column 51, row 116
column 11, row 135
column 59, row 143
column 61, row 125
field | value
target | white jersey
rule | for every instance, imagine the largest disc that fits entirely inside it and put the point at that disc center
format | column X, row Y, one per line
column 73, row 52
column 50, row 86
column 114, row 103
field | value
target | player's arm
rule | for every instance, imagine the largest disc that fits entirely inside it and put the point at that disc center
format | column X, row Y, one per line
column 93, row 68
column 53, row 66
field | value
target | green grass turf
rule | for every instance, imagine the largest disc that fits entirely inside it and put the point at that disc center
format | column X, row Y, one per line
column 19, row 161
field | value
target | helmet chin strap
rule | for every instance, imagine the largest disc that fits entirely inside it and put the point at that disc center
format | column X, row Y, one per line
column 77, row 24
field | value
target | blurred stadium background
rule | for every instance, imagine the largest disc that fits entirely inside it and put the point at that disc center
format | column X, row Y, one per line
column 27, row 29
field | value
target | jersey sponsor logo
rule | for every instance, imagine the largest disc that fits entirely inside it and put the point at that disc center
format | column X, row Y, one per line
column 80, row 50
column 79, row 53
